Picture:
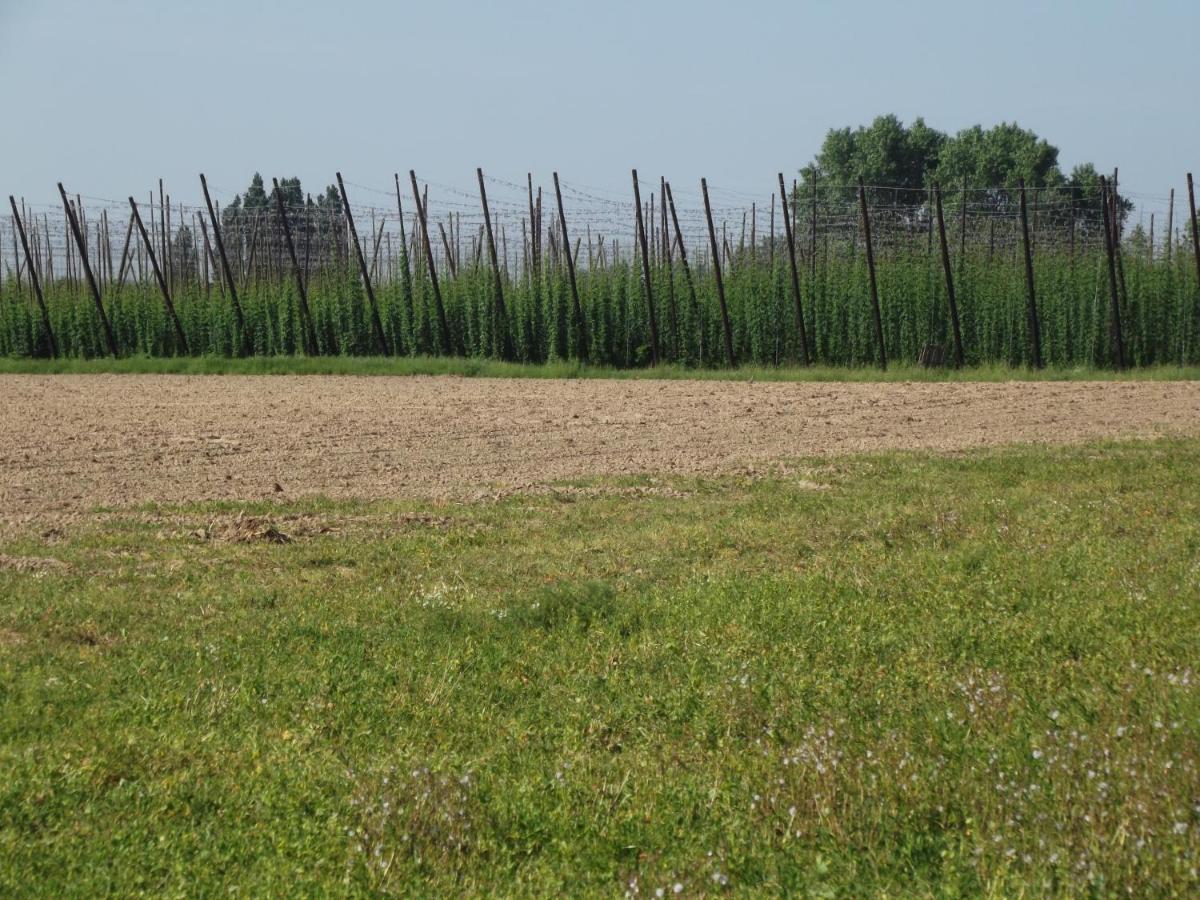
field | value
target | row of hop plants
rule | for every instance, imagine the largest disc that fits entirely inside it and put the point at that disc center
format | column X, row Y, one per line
column 1160, row 311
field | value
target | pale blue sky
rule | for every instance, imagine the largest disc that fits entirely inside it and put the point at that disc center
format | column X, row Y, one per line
column 109, row 96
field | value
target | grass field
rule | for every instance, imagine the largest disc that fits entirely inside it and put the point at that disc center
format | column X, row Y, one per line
column 490, row 368
column 890, row 674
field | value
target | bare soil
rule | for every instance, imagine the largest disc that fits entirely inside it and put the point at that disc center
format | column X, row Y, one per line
column 71, row 443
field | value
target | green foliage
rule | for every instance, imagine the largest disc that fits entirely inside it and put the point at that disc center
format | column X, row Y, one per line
column 1160, row 304
column 885, row 152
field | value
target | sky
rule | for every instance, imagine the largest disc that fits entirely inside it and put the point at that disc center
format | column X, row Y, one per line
column 110, row 95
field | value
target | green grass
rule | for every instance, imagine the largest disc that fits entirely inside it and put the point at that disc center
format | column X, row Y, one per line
column 487, row 368
column 882, row 675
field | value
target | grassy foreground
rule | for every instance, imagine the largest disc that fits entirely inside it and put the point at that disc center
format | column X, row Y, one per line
column 490, row 368
column 896, row 674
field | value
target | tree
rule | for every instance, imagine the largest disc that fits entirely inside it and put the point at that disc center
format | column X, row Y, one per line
column 884, row 153
column 887, row 153
column 996, row 160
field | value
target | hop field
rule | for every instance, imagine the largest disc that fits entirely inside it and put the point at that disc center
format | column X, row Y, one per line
column 527, row 313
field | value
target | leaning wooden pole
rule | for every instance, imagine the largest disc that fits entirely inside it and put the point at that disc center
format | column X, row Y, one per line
column 87, row 271
column 951, row 299
column 582, row 323
column 158, row 275
column 875, row 313
column 791, row 242
column 362, row 268
column 33, row 275
column 120, row 280
column 1035, row 333
column 1170, row 225
column 500, row 314
column 641, row 235
column 716, row 261
column 687, row 272
column 423, row 218
column 310, row 334
column 243, row 337
column 1195, row 232
column 1110, row 239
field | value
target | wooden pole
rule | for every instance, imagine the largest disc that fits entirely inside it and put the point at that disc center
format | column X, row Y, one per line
column 500, row 315
column 437, row 290
column 1035, row 334
column 1195, row 232
column 34, row 280
column 716, row 260
column 791, row 242
column 362, row 268
column 310, row 334
column 941, row 224
column 878, row 318
column 162, row 284
column 687, row 272
column 87, row 269
column 582, row 323
column 962, row 230
column 124, row 255
column 450, row 264
column 1170, row 225
column 641, row 234
column 1110, row 239
column 233, row 297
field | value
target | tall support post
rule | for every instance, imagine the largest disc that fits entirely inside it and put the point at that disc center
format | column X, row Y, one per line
column 120, row 279
column 641, row 235
column 87, row 269
column 875, row 313
column 423, row 218
column 953, row 302
column 310, row 334
column 666, row 257
column 212, row 258
column 233, row 297
column 1035, row 333
column 716, row 261
column 533, row 244
column 1195, row 232
column 582, row 323
column 34, row 280
column 812, row 232
column 158, row 275
column 962, row 230
column 380, row 338
column 791, row 242
column 1110, row 240
column 500, row 314
column 1170, row 225
column 687, row 272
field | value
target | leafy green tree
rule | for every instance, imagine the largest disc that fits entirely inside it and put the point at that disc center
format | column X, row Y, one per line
column 998, row 158
column 884, row 153
column 888, row 153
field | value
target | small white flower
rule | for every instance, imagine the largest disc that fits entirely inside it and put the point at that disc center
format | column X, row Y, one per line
column 1180, row 828
column 678, row 888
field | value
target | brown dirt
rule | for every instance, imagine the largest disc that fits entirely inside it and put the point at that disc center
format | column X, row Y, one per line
column 68, row 443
